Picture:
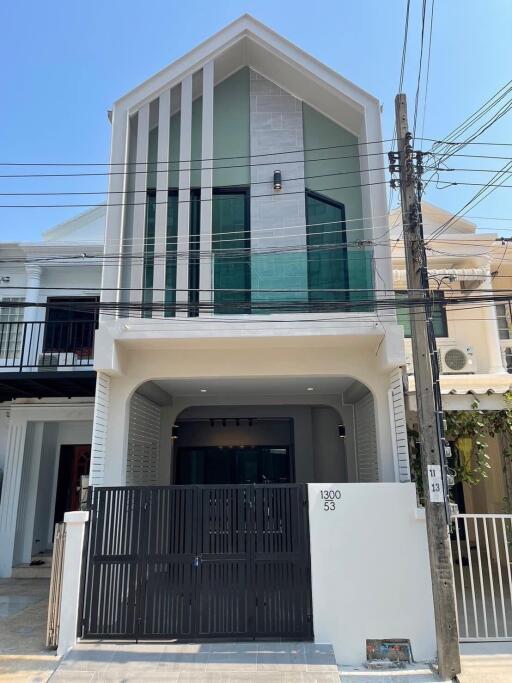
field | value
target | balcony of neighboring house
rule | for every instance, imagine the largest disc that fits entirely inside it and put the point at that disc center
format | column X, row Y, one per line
column 51, row 357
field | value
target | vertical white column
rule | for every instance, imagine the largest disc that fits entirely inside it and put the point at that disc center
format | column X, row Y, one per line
column 139, row 210
column 164, row 119
column 490, row 325
column 11, row 493
column 184, row 192
column 28, row 495
column 99, row 430
column 71, row 576
column 34, row 333
column 111, row 277
column 205, row 242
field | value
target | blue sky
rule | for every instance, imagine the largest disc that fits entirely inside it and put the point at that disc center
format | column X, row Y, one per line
column 64, row 63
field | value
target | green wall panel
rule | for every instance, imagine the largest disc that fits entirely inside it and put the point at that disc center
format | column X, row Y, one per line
column 231, row 130
column 319, row 131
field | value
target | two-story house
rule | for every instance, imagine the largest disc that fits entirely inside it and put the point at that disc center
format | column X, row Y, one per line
column 249, row 465
column 473, row 338
column 48, row 315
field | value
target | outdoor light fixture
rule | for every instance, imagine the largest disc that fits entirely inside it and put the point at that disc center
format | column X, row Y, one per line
column 224, row 422
column 203, row 391
column 310, row 389
column 212, row 422
column 174, row 434
column 341, row 431
column 278, row 180
column 250, row 422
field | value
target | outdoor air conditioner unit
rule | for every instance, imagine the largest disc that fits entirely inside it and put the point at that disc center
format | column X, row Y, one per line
column 54, row 360
column 455, row 360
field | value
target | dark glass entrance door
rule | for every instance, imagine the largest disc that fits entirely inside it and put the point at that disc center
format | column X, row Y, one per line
column 233, row 465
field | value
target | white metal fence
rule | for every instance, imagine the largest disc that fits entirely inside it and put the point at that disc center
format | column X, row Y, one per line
column 54, row 600
column 482, row 553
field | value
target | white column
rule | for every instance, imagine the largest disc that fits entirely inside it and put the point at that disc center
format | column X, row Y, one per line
column 32, row 315
column 99, row 430
column 162, row 182
column 10, row 493
column 71, row 579
column 205, row 243
column 28, row 494
column 139, row 210
column 490, row 329
column 184, row 191
column 111, row 277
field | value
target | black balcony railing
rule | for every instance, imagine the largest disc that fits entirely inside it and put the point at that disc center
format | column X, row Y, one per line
column 46, row 346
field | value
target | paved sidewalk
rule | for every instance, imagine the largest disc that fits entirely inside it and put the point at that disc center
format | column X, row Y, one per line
column 23, row 612
column 486, row 662
column 226, row 662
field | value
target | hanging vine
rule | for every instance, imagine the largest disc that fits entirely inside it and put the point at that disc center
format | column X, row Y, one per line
column 468, row 431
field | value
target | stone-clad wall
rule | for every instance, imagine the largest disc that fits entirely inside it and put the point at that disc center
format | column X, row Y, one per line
column 276, row 127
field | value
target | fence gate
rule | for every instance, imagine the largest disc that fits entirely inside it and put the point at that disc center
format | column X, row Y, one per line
column 482, row 554
column 197, row 562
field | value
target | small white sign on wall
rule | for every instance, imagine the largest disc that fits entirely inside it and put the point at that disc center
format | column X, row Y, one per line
column 435, row 484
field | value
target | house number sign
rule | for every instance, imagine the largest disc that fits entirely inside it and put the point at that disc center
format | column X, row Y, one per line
column 330, row 496
column 435, row 484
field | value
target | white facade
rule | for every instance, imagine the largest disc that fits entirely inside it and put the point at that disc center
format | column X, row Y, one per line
column 39, row 417
column 280, row 105
column 466, row 262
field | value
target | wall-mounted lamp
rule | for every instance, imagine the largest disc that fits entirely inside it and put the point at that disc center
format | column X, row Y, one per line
column 5, row 278
column 278, row 180
column 174, row 433
column 341, row 431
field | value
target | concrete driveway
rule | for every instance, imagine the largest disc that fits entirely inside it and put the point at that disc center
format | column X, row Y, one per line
column 23, row 612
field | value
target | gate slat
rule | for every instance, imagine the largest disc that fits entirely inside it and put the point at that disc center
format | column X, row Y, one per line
column 198, row 562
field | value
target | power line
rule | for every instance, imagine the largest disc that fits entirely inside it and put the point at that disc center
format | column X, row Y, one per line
column 202, row 187
column 201, row 168
column 428, row 67
column 298, row 150
column 181, row 201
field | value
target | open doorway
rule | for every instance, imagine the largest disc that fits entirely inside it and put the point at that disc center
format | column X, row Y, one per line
column 72, row 480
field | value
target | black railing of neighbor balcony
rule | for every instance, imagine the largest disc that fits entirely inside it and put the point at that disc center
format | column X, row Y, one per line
column 46, row 346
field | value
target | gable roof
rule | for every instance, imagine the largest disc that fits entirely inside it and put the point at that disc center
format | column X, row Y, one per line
column 433, row 217
column 248, row 42
column 88, row 226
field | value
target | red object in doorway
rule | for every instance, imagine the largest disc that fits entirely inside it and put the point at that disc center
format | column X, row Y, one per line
column 80, row 466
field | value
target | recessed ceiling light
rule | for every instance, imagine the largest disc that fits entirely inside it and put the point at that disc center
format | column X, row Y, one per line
column 311, row 388
column 203, row 391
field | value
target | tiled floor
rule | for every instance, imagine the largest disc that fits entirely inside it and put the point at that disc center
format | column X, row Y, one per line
column 23, row 612
column 227, row 662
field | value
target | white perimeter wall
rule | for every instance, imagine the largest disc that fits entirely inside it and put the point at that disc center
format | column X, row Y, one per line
column 370, row 570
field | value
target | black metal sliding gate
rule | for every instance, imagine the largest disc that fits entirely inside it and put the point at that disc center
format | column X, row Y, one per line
column 196, row 562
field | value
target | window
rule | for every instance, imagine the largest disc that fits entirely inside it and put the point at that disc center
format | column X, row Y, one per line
column 231, row 243
column 170, row 256
column 327, row 251
column 194, row 254
column 149, row 252
column 438, row 314
column 501, row 317
column 70, row 325
column 11, row 327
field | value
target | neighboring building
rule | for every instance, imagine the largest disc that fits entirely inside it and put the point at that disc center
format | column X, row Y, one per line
column 47, row 380
column 472, row 338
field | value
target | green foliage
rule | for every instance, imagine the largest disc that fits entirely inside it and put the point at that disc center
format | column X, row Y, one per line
column 469, row 430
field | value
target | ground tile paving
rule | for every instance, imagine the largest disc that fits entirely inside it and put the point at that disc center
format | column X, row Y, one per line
column 23, row 613
column 230, row 662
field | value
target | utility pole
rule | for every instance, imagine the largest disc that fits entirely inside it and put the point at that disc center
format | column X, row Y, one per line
column 430, row 419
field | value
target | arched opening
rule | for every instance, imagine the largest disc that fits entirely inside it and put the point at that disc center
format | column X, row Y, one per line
column 241, row 431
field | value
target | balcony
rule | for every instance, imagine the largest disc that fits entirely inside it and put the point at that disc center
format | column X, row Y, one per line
column 46, row 359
